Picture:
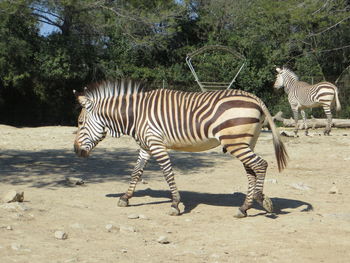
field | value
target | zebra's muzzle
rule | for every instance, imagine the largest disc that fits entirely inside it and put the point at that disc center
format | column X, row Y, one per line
column 80, row 152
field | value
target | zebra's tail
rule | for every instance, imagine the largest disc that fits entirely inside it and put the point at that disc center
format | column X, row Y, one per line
column 337, row 102
column 280, row 150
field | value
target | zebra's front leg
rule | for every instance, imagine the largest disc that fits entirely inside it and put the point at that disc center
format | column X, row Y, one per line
column 295, row 115
column 161, row 155
column 142, row 159
column 305, row 122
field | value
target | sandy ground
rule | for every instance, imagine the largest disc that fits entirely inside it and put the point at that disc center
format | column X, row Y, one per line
column 309, row 225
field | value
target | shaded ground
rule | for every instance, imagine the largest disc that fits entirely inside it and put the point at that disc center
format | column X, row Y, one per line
column 309, row 225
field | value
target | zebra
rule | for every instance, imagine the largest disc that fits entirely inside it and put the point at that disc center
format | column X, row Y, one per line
column 162, row 119
column 302, row 95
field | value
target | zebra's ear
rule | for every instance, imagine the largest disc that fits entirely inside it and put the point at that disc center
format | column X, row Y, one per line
column 278, row 70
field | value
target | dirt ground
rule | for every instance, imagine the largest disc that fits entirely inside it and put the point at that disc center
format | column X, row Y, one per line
column 309, row 224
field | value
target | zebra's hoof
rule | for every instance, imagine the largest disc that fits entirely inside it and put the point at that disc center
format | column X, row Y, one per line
column 240, row 214
column 267, row 204
column 123, row 202
column 174, row 211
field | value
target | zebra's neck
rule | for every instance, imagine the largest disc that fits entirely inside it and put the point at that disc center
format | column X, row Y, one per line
column 118, row 114
column 289, row 83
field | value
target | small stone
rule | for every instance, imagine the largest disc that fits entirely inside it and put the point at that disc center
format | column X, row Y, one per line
column 127, row 229
column 16, row 246
column 9, row 228
column 61, row 235
column 133, row 216
column 163, row 240
column 273, row 181
column 15, row 206
column 286, row 134
column 124, row 250
column 143, row 217
column 13, row 196
column 110, row 227
column 300, row 186
column 143, row 181
column 74, row 180
column 333, row 190
column 71, row 260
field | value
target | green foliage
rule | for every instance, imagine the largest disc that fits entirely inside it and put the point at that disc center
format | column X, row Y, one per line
column 93, row 40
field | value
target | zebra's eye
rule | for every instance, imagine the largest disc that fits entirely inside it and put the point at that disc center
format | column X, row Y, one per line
column 80, row 123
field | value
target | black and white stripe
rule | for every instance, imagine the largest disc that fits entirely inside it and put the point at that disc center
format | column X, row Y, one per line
column 160, row 120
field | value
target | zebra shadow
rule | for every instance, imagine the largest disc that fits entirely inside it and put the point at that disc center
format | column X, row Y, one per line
column 191, row 200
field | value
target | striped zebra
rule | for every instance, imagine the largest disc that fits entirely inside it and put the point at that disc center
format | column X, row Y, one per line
column 185, row 121
column 302, row 95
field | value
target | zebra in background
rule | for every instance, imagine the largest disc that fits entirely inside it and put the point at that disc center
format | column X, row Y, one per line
column 302, row 95
column 162, row 119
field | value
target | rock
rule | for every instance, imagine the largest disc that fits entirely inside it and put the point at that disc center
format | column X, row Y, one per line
column 163, row 240
column 273, row 181
column 133, row 216
column 13, row 196
column 61, row 235
column 143, row 217
column 16, row 246
column 333, row 190
column 127, row 229
column 124, row 250
column 300, row 186
column 15, row 206
column 9, row 228
column 74, row 180
column 110, row 227
column 287, row 134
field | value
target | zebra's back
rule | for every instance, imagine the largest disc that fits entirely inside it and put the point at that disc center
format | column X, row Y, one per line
column 198, row 121
column 309, row 96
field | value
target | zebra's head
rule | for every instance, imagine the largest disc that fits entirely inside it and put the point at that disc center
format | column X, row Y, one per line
column 90, row 129
column 279, row 82
column 285, row 78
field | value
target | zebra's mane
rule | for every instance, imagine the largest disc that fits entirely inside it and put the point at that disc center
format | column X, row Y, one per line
column 108, row 88
column 291, row 73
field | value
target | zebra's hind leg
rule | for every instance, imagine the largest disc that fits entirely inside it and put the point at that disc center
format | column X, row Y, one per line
column 142, row 159
column 161, row 155
column 255, row 167
column 327, row 111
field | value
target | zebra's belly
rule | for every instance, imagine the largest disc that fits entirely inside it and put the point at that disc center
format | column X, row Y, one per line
column 195, row 147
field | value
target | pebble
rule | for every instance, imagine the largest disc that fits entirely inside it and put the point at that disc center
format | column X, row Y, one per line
column 133, row 216
column 61, row 235
column 13, row 196
column 163, row 240
column 16, row 246
column 300, row 186
column 333, row 190
column 143, row 217
column 110, row 227
column 127, row 229
column 124, row 250
column 74, row 180
column 15, row 206
column 273, row 181
column 9, row 228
